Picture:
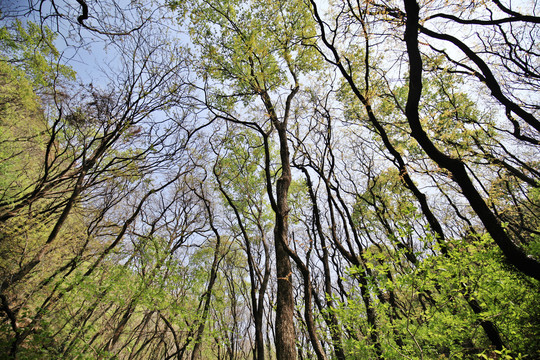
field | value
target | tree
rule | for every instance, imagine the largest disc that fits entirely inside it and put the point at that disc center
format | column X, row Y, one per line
column 269, row 180
column 83, row 152
column 256, row 49
column 239, row 172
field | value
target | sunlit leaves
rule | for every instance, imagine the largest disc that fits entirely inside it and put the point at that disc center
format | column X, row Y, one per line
column 31, row 48
column 251, row 46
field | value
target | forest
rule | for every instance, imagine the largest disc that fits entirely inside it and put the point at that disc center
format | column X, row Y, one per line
column 280, row 179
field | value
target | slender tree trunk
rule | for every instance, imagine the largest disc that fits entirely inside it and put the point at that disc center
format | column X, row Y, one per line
column 111, row 344
column 196, row 354
column 329, row 317
column 308, row 310
column 285, row 337
column 257, row 304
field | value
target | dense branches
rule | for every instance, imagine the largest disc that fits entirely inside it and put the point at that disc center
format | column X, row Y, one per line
column 269, row 180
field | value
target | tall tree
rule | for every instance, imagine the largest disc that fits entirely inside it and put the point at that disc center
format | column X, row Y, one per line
column 256, row 47
column 379, row 158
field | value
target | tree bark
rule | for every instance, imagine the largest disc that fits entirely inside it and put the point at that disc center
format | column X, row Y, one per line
column 512, row 252
column 285, row 332
column 285, row 337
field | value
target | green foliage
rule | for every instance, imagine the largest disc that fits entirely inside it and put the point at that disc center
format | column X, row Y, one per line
column 22, row 128
column 434, row 319
column 241, row 172
column 453, row 120
column 503, row 354
column 145, row 298
column 251, row 46
column 30, row 48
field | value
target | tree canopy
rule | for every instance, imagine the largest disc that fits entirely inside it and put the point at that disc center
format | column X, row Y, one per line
column 279, row 179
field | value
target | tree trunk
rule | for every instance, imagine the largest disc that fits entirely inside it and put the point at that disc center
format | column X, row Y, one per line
column 515, row 255
column 285, row 337
column 285, row 333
